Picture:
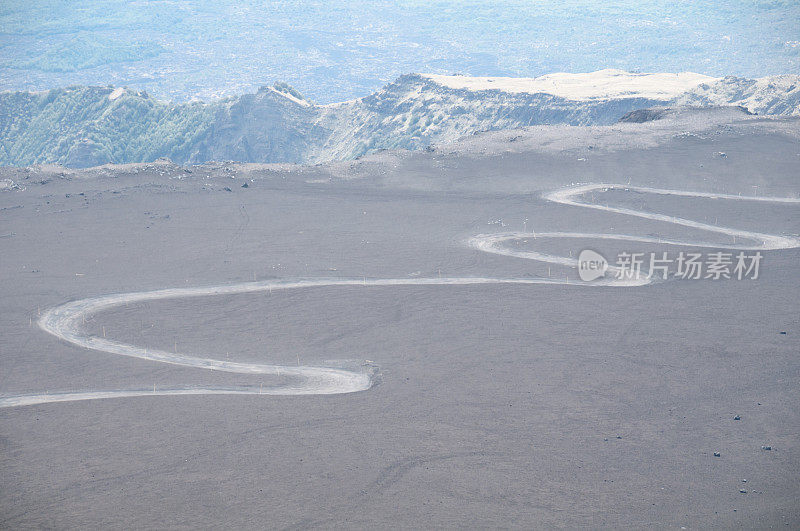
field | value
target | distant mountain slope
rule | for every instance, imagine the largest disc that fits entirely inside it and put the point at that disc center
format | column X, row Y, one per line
column 767, row 95
column 86, row 126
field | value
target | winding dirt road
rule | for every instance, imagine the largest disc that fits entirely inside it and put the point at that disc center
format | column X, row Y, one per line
column 65, row 321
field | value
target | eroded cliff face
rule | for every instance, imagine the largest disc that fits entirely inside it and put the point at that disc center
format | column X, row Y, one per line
column 87, row 126
column 265, row 126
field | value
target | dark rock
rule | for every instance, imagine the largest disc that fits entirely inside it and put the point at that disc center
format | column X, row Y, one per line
column 644, row 115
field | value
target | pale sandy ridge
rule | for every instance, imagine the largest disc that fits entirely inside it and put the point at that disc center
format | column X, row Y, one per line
column 602, row 84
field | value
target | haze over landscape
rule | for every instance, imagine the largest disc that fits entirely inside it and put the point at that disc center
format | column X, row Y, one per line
column 340, row 50
column 399, row 264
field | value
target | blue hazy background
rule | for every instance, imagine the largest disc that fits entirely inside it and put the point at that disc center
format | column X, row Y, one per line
column 337, row 50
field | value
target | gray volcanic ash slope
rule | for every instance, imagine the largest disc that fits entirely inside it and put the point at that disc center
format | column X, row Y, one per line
column 560, row 406
column 88, row 126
